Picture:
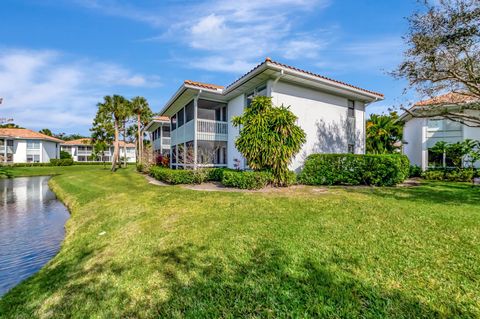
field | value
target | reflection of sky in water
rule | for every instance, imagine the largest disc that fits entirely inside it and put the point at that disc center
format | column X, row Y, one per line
column 31, row 228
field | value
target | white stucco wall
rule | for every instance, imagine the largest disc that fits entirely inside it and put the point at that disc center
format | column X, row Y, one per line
column 50, row 150
column 414, row 136
column 19, row 151
column 235, row 108
column 323, row 117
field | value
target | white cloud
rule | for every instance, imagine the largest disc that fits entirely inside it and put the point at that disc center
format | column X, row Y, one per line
column 48, row 89
column 236, row 32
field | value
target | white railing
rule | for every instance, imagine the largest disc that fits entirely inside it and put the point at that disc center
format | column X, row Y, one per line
column 209, row 126
column 166, row 141
column 83, row 153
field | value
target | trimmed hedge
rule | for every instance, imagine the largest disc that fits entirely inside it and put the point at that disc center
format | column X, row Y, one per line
column 25, row 165
column 246, row 179
column 174, row 177
column 451, row 175
column 61, row 162
column 415, row 171
column 355, row 169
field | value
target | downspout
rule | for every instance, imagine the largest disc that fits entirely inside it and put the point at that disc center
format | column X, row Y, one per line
column 279, row 76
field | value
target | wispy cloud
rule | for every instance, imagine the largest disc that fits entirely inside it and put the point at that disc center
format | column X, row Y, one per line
column 49, row 89
column 222, row 32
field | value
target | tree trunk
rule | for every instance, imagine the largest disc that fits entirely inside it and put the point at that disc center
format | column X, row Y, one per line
column 139, row 141
column 116, row 148
column 124, row 144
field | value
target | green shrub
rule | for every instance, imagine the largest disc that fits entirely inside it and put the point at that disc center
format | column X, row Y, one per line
column 434, row 175
column 174, row 177
column 65, row 155
column 415, row 171
column 61, row 162
column 216, row 174
column 355, row 169
column 460, row 175
column 246, row 179
column 25, row 164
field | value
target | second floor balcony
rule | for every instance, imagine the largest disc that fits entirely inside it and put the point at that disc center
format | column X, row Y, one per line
column 206, row 130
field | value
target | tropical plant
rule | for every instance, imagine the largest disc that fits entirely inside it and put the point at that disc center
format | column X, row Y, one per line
column 458, row 155
column 65, row 155
column 444, row 55
column 46, row 131
column 383, row 134
column 111, row 118
column 269, row 138
column 144, row 115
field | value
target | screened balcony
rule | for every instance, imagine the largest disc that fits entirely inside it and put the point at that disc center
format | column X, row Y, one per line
column 199, row 132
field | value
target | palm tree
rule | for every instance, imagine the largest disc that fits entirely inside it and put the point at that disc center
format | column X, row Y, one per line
column 116, row 108
column 383, row 134
column 144, row 114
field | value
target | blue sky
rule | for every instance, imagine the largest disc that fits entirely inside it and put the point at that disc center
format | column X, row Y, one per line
column 59, row 58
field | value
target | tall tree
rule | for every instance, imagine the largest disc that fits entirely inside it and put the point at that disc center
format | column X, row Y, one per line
column 444, row 55
column 269, row 137
column 383, row 134
column 114, row 109
column 102, row 133
column 144, row 115
column 46, row 131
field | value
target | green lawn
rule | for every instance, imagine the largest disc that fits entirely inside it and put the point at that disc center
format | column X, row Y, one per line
column 137, row 250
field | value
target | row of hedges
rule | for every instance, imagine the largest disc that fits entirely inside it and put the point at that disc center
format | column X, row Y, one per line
column 53, row 162
column 228, row 177
column 355, row 169
column 452, row 175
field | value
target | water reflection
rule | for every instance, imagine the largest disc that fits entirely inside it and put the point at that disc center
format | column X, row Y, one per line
column 31, row 228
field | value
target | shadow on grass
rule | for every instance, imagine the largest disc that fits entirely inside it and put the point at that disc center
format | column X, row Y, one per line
column 265, row 283
column 429, row 192
column 270, row 284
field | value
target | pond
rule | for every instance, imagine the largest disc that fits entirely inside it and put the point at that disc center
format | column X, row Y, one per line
column 32, row 224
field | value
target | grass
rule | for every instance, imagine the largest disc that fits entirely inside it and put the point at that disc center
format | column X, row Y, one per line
column 136, row 250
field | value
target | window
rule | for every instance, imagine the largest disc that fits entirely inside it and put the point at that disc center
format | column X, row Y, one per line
column 224, row 113
column 33, row 158
column 173, row 122
column 250, row 97
column 180, row 118
column 351, row 108
column 31, row 145
column 189, row 112
column 259, row 91
column 351, row 148
column 174, row 154
column 166, row 131
column 10, row 144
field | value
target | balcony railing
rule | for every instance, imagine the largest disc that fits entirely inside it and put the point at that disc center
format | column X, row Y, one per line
column 209, row 126
column 207, row 130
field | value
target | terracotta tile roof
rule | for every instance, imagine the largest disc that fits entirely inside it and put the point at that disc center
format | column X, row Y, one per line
column 161, row 118
column 87, row 141
column 204, row 85
column 80, row 141
column 268, row 60
column 27, row 134
column 449, row 98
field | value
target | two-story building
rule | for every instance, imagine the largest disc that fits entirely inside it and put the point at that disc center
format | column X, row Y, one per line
column 81, row 150
column 421, row 134
column 332, row 113
column 159, row 133
column 19, row 145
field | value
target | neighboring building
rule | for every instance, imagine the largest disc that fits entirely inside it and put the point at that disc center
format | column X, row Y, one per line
column 331, row 113
column 18, row 145
column 81, row 151
column 420, row 134
column 159, row 132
